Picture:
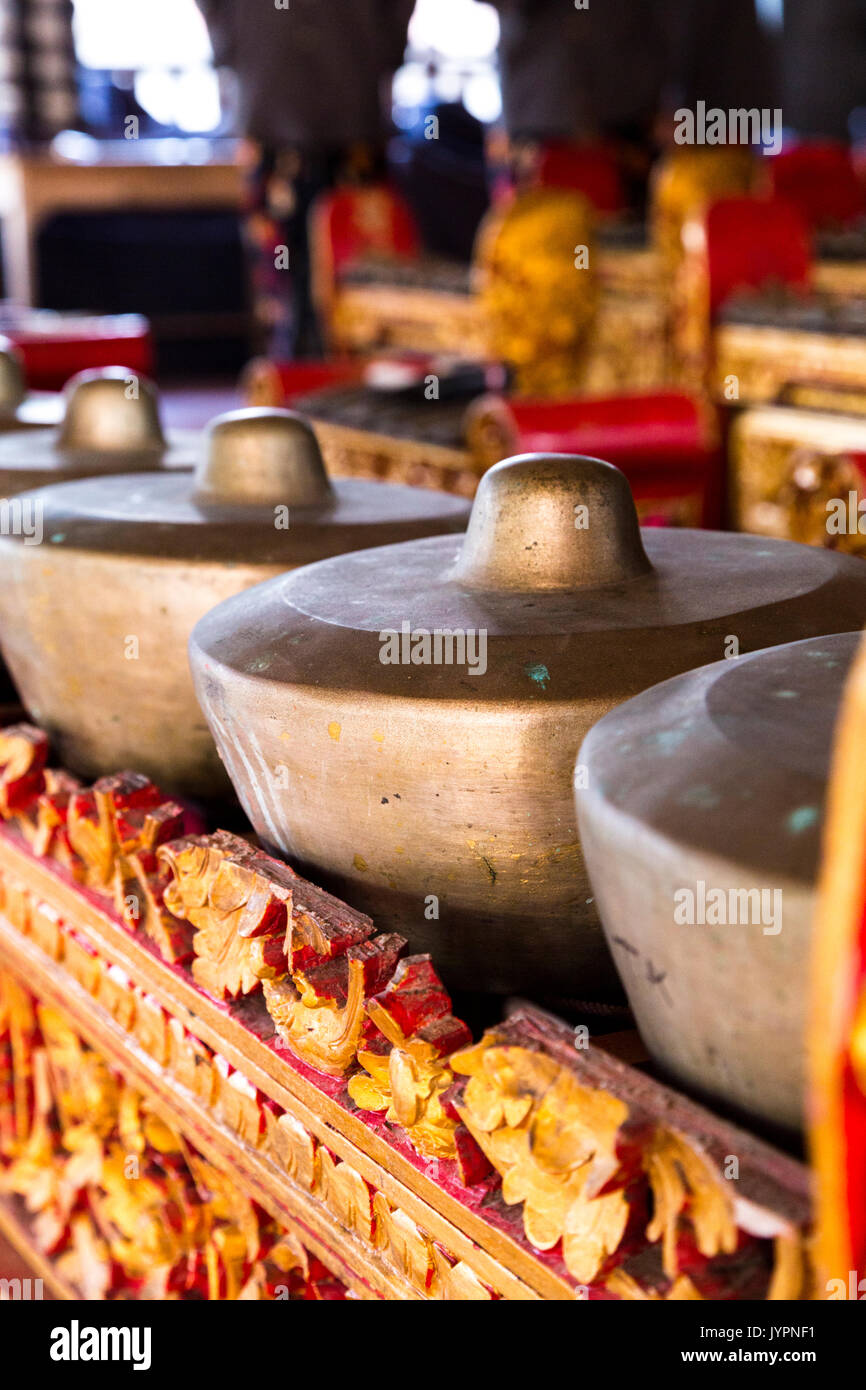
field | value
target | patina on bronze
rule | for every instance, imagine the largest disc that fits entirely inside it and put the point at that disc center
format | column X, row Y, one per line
column 700, row 805
column 110, row 424
column 94, row 621
column 439, row 798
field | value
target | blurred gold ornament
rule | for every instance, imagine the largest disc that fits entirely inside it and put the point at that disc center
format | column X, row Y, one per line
column 538, row 287
column 686, row 180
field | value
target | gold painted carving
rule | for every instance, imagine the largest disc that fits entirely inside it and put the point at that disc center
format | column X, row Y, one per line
column 681, row 1179
column 320, row 1030
column 559, row 1147
column 407, row 1248
column 236, row 912
column 119, row 1200
column 554, row 1143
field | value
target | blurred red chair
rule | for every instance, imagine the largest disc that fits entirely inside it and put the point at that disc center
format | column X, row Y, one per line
column 666, row 443
column 267, row 383
column 754, row 244
column 588, row 169
column 352, row 224
column 820, row 179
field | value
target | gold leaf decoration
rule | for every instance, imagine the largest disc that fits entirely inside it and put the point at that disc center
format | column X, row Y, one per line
column 681, row 1179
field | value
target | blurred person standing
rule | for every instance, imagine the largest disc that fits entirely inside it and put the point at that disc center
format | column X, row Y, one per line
column 611, row 71
column 577, row 73
column 719, row 52
column 580, row 76
column 313, row 83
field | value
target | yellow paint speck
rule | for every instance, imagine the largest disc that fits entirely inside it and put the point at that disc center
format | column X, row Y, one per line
column 360, row 864
column 398, row 849
column 334, row 730
column 285, row 735
column 378, row 736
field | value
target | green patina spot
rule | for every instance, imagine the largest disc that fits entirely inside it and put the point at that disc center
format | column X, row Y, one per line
column 668, row 740
column 802, row 819
column 261, row 663
column 58, row 537
column 539, row 674
column 786, row 694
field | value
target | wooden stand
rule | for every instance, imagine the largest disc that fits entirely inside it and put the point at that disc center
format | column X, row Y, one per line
column 319, row 1069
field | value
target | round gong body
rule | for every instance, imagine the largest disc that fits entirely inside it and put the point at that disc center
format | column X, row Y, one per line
column 700, row 805
column 94, row 622
column 20, row 409
column 436, row 794
column 110, row 424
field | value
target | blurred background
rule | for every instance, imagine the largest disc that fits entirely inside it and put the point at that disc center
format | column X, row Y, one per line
column 151, row 150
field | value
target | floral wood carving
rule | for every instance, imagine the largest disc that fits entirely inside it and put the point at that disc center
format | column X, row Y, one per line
column 595, row 1153
column 106, row 835
column 119, row 1200
column 408, row 1036
column 326, row 978
column 239, row 912
column 23, row 755
column 554, row 1142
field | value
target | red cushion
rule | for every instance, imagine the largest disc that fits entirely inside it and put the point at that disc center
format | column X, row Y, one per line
column 639, row 427
column 753, row 243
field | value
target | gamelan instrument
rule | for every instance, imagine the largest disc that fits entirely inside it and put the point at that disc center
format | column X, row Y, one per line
column 403, row 722
column 707, row 793
column 110, row 424
column 95, row 630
